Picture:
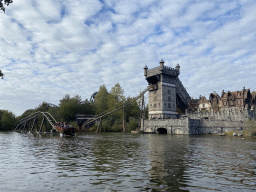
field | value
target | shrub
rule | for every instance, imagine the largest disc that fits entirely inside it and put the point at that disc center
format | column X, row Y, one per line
column 133, row 124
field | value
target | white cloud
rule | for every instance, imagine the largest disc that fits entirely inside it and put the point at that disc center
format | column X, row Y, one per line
column 49, row 49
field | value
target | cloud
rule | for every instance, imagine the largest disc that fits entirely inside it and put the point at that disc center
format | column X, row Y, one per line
column 51, row 48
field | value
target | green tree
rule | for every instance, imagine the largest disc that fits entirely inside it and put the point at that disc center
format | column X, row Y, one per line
column 132, row 110
column 26, row 113
column 69, row 107
column 87, row 108
column 43, row 107
column 55, row 112
column 7, row 2
column 1, row 74
column 116, row 98
column 117, row 95
column 101, row 100
column 7, row 120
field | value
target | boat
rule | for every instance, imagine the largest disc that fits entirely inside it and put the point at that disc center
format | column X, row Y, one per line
column 65, row 129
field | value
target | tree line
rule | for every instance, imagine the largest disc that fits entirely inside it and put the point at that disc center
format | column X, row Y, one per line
column 69, row 106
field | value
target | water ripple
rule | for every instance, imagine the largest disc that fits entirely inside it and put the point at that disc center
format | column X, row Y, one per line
column 126, row 162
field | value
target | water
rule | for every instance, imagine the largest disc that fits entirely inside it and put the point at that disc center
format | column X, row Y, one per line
column 126, row 162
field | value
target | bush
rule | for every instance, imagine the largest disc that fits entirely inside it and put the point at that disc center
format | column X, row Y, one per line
column 133, row 124
column 7, row 120
column 118, row 126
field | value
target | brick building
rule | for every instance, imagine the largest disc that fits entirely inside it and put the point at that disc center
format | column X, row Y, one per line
column 236, row 100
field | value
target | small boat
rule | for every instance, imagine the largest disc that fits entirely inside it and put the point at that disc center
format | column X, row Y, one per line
column 65, row 129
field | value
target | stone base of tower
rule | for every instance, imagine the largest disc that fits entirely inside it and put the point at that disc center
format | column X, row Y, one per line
column 162, row 115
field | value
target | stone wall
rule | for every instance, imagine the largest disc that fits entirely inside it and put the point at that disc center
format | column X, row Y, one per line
column 173, row 126
column 189, row 126
column 212, row 126
column 234, row 115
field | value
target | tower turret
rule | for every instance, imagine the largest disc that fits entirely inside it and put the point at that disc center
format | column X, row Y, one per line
column 178, row 68
column 162, row 64
column 145, row 71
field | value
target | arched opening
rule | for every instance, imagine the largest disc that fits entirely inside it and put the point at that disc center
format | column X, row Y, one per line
column 152, row 79
column 162, row 131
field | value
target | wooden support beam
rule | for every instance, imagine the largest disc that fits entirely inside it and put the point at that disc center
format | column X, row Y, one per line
column 25, row 125
column 18, row 127
column 123, row 120
column 35, row 120
column 37, row 127
column 99, row 126
column 42, row 124
column 45, row 126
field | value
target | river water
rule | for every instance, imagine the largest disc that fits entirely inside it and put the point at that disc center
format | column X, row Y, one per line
column 126, row 162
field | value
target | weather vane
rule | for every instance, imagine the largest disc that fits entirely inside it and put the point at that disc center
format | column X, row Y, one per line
column 7, row 2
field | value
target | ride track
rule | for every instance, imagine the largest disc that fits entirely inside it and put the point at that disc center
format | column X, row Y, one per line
column 108, row 112
column 47, row 116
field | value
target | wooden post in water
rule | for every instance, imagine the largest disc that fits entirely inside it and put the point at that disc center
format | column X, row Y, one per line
column 37, row 127
column 123, row 120
column 45, row 125
column 99, row 126
column 25, row 125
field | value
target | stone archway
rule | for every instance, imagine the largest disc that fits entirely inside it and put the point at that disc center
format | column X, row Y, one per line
column 161, row 131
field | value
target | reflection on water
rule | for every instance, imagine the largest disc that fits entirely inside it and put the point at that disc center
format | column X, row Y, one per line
column 126, row 162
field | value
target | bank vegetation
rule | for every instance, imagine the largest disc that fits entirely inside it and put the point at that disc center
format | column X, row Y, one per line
column 69, row 106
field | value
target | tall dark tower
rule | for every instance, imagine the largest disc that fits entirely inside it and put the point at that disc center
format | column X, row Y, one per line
column 167, row 91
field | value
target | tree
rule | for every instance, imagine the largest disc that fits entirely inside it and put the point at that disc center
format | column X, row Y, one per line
column 117, row 94
column 7, row 2
column 101, row 100
column 26, row 113
column 87, row 108
column 55, row 112
column 43, row 107
column 69, row 107
column 7, row 120
column 116, row 98
column 132, row 110
column 1, row 74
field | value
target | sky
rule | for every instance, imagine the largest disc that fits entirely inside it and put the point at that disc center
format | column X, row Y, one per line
column 52, row 48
